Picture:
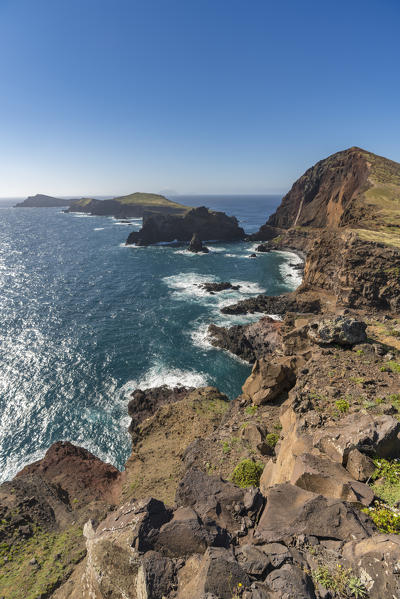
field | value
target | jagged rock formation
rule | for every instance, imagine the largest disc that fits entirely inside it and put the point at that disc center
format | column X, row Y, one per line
column 132, row 205
column 196, row 245
column 249, row 342
column 43, row 201
column 217, row 287
column 207, row 224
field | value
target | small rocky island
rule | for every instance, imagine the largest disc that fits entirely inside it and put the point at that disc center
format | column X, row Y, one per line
column 291, row 490
column 208, row 225
column 43, row 201
column 132, row 205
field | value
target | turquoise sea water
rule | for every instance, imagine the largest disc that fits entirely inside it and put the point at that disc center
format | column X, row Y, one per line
column 85, row 320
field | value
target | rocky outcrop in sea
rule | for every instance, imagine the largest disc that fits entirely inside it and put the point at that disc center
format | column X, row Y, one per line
column 206, row 224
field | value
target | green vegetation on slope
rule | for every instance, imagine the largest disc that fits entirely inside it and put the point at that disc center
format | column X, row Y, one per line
column 34, row 567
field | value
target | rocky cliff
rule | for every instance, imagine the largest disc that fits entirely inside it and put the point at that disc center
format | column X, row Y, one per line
column 133, row 205
column 352, row 188
column 207, row 224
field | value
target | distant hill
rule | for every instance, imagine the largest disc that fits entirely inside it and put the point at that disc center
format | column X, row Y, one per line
column 42, row 201
column 134, row 204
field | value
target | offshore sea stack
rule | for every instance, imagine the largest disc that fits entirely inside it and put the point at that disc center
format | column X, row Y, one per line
column 291, row 490
column 207, row 224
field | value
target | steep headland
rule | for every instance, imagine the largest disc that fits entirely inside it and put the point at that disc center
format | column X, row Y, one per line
column 204, row 223
column 132, row 205
column 42, row 201
column 291, row 490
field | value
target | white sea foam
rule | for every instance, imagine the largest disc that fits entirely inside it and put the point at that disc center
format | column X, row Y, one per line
column 159, row 374
column 291, row 276
column 98, row 229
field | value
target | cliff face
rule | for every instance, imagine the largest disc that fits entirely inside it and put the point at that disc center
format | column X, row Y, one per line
column 348, row 188
column 208, row 225
column 133, row 205
column 356, row 272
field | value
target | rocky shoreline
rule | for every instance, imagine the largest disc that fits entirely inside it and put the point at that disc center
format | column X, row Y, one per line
column 291, row 490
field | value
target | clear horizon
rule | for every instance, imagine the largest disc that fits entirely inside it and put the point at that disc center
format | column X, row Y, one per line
column 211, row 97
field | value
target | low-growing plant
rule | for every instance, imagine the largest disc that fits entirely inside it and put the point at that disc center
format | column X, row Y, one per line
column 342, row 582
column 251, row 410
column 277, row 426
column 247, row 473
column 272, row 439
column 393, row 366
column 385, row 519
column 387, row 473
column 342, row 405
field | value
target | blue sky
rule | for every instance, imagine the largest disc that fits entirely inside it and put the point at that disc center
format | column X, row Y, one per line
column 198, row 96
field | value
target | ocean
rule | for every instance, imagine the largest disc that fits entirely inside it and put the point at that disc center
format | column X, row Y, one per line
column 85, row 320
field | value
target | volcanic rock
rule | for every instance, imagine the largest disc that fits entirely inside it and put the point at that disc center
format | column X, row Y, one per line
column 291, row 511
column 206, row 223
column 196, row 245
column 269, row 379
column 340, row 330
column 249, row 342
column 81, row 474
column 216, row 287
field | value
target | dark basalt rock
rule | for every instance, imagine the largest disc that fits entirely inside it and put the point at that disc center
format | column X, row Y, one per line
column 197, row 246
column 214, row 499
column 144, row 403
column 216, row 287
column 206, row 223
column 340, row 330
column 263, row 247
column 279, row 304
column 249, row 342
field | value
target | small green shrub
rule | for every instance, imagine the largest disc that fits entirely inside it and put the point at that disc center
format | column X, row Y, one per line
column 272, row 439
column 277, row 426
column 342, row 405
column 251, row 410
column 360, row 352
column 394, row 367
column 340, row 581
column 247, row 474
column 384, row 519
column 226, row 448
column 389, row 488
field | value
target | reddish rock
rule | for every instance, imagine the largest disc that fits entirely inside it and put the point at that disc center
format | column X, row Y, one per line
column 83, row 476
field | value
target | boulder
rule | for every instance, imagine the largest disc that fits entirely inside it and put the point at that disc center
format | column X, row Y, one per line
column 155, row 577
column 373, row 435
column 196, row 245
column 291, row 511
column 290, row 581
column 218, row 575
column 341, row 330
column 186, row 534
column 269, row 379
column 215, row 500
column 378, row 561
column 323, row 476
column 360, row 466
column 114, row 566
